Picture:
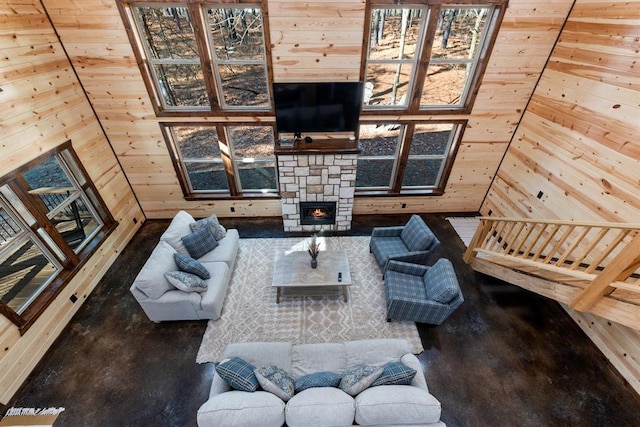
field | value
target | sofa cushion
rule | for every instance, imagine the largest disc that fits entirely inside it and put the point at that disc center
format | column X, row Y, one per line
column 416, row 235
column 238, row 373
column 239, row 408
column 190, row 265
column 375, row 351
column 310, row 358
column 261, row 353
column 276, row 381
column 395, row 373
column 179, row 226
column 358, row 377
column 318, row 379
column 211, row 222
column 440, row 281
column 186, row 282
column 396, row 405
column 319, row 407
column 150, row 280
column 200, row 242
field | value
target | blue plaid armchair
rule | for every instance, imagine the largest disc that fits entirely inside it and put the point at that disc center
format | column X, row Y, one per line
column 412, row 242
column 421, row 293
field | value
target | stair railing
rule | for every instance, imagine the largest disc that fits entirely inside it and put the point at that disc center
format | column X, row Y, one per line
column 604, row 255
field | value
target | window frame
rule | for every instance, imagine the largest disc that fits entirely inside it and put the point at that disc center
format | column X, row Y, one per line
column 423, row 54
column 212, row 80
column 228, row 161
column 53, row 243
column 403, row 154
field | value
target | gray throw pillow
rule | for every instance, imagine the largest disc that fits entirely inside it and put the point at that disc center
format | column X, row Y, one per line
column 276, row 381
column 200, row 242
column 186, row 282
column 238, row 373
column 190, row 265
column 358, row 377
column 211, row 222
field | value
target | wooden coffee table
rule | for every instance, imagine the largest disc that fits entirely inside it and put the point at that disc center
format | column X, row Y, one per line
column 293, row 275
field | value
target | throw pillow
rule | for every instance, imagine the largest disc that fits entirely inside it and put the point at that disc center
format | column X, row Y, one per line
column 186, row 282
column 317, row 379
column 238, row 373
column 358, row 377
column 200, row 242
column 276, row 381
column 211, row 222
column 190, row 265
column 395, row 373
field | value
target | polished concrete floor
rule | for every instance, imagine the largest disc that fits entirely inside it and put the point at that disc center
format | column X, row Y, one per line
column 506, row 357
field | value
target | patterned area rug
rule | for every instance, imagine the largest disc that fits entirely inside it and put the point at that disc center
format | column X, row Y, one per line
column 250, row 311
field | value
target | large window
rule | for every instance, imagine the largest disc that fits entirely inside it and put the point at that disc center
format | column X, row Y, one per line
column 404, row 71
column 224, row 160
column 405, row 158
column 51, row 219
column 199, row 57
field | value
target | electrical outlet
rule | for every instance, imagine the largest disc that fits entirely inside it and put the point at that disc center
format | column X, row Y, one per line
column 540, row 194
column 135, row 220
column 404, row 205
column 233, row 209
column 73, row 298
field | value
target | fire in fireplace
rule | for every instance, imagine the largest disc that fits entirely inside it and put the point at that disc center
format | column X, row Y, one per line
column 312, row 213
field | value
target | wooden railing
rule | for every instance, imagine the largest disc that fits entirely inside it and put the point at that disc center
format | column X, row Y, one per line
column 603, row 259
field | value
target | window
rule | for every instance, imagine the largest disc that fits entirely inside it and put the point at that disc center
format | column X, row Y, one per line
column 51, row 220
column 405, row 158
column 223, row 160
column 200, row 58
column 405, row 72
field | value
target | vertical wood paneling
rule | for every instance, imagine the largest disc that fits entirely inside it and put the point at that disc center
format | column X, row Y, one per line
column 43, row 106
column 578, row 144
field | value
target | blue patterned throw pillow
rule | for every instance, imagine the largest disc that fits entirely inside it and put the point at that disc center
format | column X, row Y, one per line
column 186, row 282
column 395, row 373
column 276, row 381
column 317, row 379
column 190, row 265
column 238, row 373
column 200, row 242
column 358, row 377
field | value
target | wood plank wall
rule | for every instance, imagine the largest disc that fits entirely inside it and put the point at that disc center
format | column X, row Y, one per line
column 42, row 105
column 579, row 144
column 319, row 40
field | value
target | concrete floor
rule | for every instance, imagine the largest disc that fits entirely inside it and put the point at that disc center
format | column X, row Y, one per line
column 506, row 357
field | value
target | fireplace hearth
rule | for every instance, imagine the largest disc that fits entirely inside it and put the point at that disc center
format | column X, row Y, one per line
column 317, row 213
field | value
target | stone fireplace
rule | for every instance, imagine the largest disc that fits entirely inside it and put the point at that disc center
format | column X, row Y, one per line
column 312, row 177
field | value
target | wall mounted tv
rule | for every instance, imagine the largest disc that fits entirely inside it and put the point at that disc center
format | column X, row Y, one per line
column 317, row 107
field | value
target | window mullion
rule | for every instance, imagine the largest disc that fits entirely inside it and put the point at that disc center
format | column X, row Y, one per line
column 226, row 152
column 402, row 157
column 37, row 209
column 429, row 36
column 204, row 52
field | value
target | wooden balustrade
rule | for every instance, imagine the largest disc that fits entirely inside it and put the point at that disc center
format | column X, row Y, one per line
column 601, row 261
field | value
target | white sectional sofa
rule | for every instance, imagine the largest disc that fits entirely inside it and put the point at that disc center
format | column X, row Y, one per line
column 163, row 302
column 383, row 405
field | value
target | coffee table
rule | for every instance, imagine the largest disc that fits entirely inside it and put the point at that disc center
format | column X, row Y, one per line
column 293, row 275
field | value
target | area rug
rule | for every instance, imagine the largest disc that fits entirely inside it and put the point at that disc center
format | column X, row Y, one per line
column 250, row 311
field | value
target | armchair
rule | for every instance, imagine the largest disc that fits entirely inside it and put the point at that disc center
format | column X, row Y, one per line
column 412, row 243
column 421, row 293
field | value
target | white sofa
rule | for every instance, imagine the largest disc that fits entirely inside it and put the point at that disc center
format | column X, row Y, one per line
column 160, row 300
column 384, row 405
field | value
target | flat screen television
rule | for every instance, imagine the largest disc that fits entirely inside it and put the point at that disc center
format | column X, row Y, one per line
column 317, row 106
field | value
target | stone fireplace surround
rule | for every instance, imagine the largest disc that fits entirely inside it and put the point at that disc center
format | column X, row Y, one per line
column 317, row 177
